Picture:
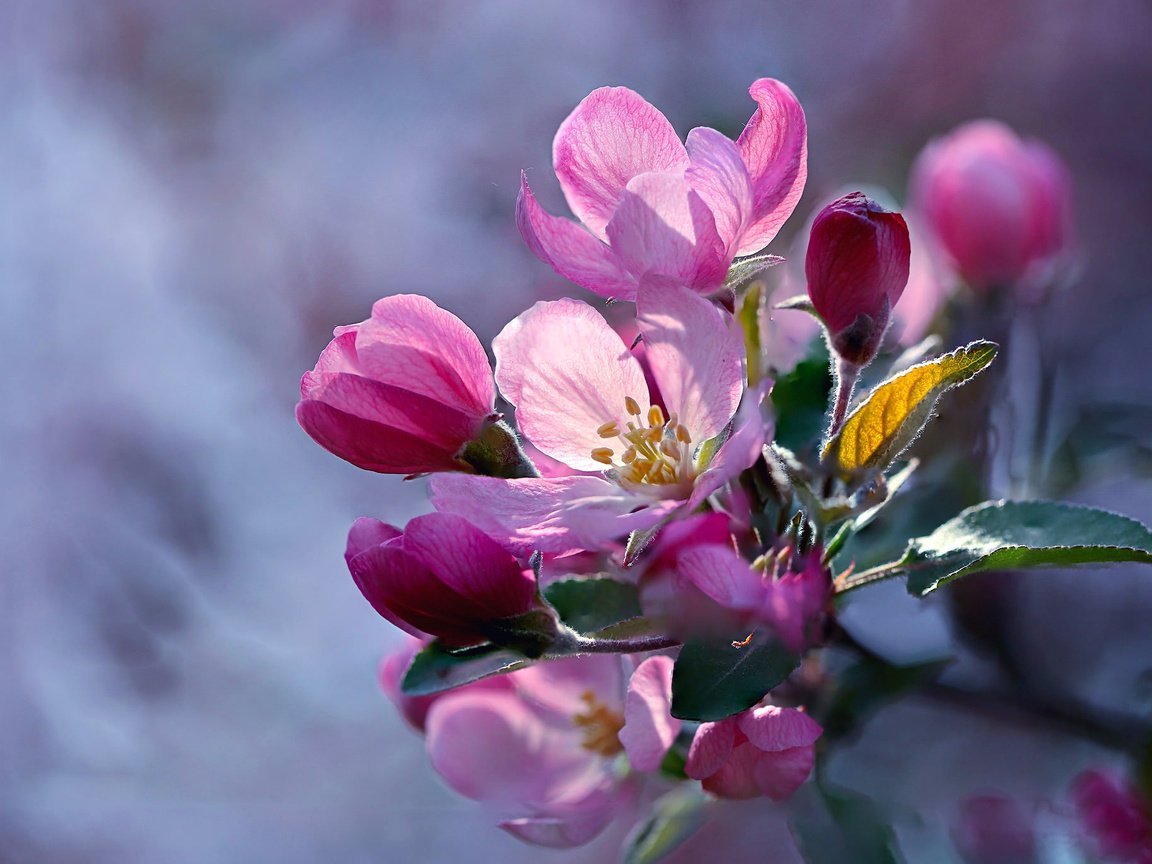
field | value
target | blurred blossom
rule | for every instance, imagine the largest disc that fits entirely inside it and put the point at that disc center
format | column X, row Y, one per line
column 1116, row 818
column 999, row 206
column 993, row 829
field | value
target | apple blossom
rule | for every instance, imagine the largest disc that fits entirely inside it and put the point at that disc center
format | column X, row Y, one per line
column 651, row 206
column 1115, row 816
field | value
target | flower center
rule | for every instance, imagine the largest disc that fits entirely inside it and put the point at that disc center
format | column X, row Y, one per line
column 658, row 451
column 601, row 726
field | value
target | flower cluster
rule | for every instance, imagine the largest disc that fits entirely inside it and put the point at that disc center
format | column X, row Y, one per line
column 648, row 594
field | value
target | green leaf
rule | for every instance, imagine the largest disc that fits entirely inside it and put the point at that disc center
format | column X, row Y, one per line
column 886, row 422
column 674, row 819
column 1011, row 535
column 800, row 400
column 714, row 679
column 530, row 633
column 438, row 668
column 587, row 605
column 748, row 269
column 833, row 825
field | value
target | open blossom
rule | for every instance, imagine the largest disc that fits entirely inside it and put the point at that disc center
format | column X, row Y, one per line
column 401, row 393
column 651, row 206
column 581, row 397
column 542, row 753
column 649, row 728
column 792, row 601
column 440, row 575
column 998, row 206
column 856, row 267
column 767, row 750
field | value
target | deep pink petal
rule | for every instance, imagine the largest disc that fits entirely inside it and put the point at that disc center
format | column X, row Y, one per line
column 663, row 228
column 696, row 354
column 649, row 727
column 402, row 590
column 470, row 563
column 744, row 446
column 723, row 575
column 367, row 532
column 611, row 136
column 570, row 249
column 562, row 514
column 412, row 343
column 395, row 407
column 711, row 747
column 736, row 778
column 567, row 372
column 772, row 728
column 781, row 773
column 492, row 747
column 370, row 445
column 720, row 178
column 561, row 686
column 774, row 145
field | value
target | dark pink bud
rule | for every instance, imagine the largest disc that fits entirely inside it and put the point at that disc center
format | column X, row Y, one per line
column 857, row 267
column 998, row 207
column 441, row 576
column 1114, row 815
column 401, row 393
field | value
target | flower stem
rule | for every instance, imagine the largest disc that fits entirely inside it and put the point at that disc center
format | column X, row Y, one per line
column 571, row 642
column 846, row 374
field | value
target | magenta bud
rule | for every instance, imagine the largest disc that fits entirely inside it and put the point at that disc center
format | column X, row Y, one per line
column 998, row 207
column 857, row 267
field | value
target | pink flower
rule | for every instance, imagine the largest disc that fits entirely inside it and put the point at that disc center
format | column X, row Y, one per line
column 651, row 206
column 992, row 829
column 440, row 575
column 763, row 751
column 792, row 603
column 857, row 267
column 1115, row 816
column 581, row 398
column 540, row 754
column 401, row 393
column 999, row 206
column 649, row 727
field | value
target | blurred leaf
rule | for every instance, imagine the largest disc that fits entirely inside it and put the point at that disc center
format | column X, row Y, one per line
column 587, row 605
column 837, row 826
column 800, row 400
column 893, row 414
column 674, row 818
column 1012, row 535
column 714, row 679
column 867, row 685
column 438, row 668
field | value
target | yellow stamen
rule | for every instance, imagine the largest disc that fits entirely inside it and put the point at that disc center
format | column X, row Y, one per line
column 682, row 435
column 655, row 416
column 608, row 430
column 631, row 406
column 628, row 456
column 603, row 455
column 601, row 726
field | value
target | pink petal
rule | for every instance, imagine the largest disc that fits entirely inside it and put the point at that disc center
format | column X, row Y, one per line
column 412, row 343
column 663, row 228
column 723, row 575
column 492, row 747
column 405, row 592
column 779, row 774
column 367, row 532
column 611, row 136
column 772, row 728
column 470, row 563
column 749, row 432
column 562, row 514
column 560, row 832
column 649, row 727
column 392, row 406
column 370, row 445
column 711, row 747
column 560, row 686
column 737, row 778
column 719, row 177
column 570, row 250
column 338, row 356
column 774, row 145
column 567, row 372
column 696, row 354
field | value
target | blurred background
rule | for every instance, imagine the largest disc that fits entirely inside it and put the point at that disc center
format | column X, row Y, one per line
column 193, row 194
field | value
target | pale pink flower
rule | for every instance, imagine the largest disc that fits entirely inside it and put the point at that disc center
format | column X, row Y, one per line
column 649, row 727
column 581, row 397
column 767, row 750
column 792, row 602
column 440, row 575
column 400, row 393
column 651, row 206
column 999, row 206
column 541, row 754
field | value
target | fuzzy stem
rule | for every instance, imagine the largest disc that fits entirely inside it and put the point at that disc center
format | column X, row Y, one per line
column 846, row 374
column 570, row 642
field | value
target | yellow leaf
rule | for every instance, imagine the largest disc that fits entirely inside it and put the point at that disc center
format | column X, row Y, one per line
column 892, row 416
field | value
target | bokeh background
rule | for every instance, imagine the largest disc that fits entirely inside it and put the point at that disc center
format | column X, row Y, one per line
column 193, row 193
